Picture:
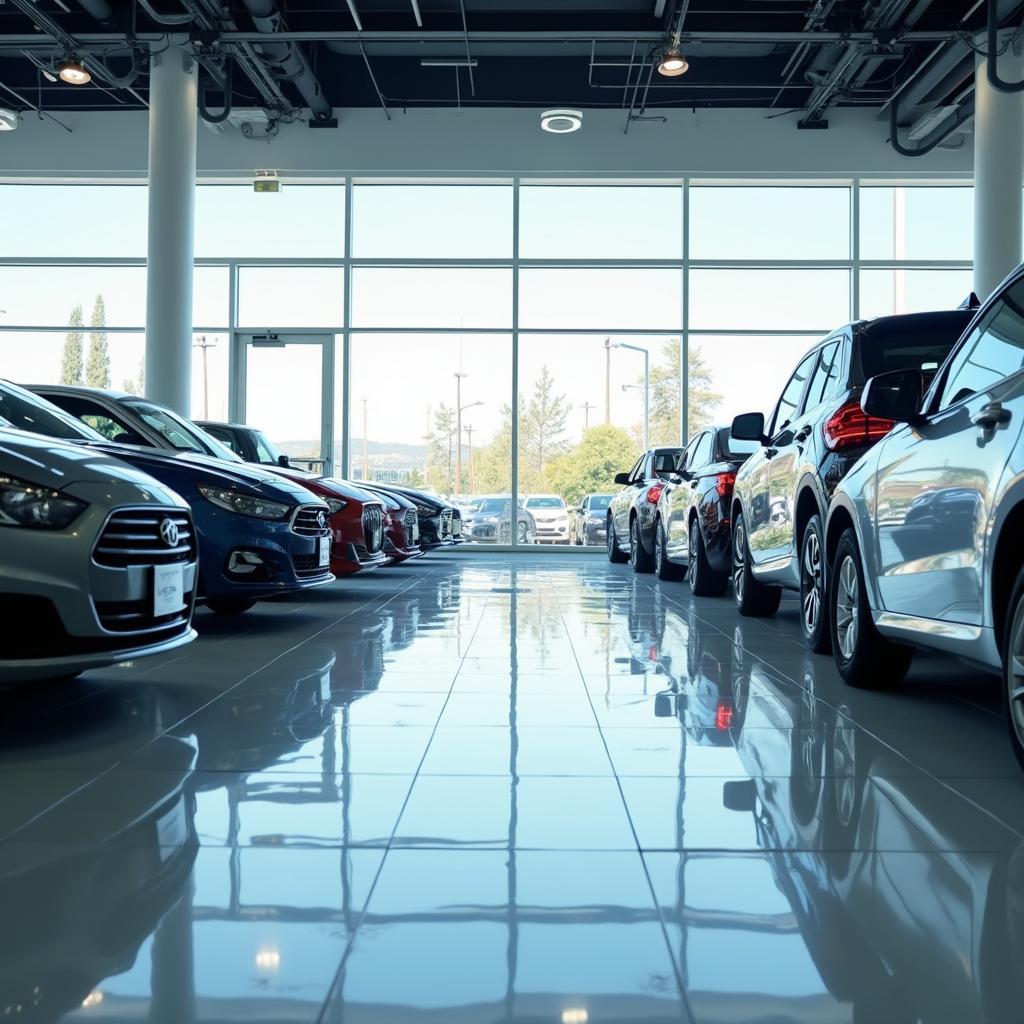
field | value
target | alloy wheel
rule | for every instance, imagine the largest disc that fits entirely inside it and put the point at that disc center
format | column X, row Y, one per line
column 659, row 549
column 634, row 540
column 610, row 538
column 847, row 611
column 691, row 561
column 739, row 555
column 1015, row 676
column 812, row 579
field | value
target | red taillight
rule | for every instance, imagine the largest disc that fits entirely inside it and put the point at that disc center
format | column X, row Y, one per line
column 723, row 716
column 654, row 493
column 724, row 484
column 851, row 427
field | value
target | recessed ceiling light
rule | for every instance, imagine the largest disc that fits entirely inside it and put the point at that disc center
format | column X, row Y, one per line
column 561, row 122
column 672, row 63
column 8, row 120
column 73, row 72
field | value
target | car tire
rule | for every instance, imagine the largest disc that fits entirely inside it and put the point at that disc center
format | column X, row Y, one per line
column 638, row 556
column 753, row 598
column 1013, row 667
column 703, row 580
column 664, row 569
column 229, row 605
column 814, row 618
column 614, row 554
column 523, row 534
column 862, row 655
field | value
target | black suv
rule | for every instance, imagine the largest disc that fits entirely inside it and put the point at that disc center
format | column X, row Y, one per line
column 816, row 432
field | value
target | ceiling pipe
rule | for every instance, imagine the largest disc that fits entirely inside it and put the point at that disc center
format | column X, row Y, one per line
column 286, row 60
column 991, row 65
column 99, row 9
column 963, row 114
column 204, row 112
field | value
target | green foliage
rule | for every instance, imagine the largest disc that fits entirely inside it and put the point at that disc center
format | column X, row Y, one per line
column 440, row 472
column 71, row 369
column 541, row 431
column 590, row 468
column 492, row 464
column 97, row 367
column 703, row 401
column 136, row 385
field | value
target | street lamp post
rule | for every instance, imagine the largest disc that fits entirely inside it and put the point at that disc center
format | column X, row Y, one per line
column 472, row 475
column 202, row 343
column 458, row 429
column 647, row 384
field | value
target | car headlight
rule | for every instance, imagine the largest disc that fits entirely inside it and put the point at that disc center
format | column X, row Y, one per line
column 39, row 508
column 335, row 505
column 244, row 504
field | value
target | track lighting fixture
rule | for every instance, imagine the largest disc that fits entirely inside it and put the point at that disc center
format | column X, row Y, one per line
column 672, row 63
column 74, row 72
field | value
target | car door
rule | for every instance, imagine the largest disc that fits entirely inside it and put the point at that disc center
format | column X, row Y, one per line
column 678, row 505
column 936, row 480
column 771, row 511
column 623, row 501
column 697, row 471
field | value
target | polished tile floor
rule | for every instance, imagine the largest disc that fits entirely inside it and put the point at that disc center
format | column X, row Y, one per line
column 487, row 789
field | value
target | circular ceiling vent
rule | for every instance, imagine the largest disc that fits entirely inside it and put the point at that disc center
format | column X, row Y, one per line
column 561, row 122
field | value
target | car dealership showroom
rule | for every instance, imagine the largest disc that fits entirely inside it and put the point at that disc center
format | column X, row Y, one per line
column 512, row 511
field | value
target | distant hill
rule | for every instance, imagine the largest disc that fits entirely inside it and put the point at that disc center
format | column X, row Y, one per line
column 380, row 453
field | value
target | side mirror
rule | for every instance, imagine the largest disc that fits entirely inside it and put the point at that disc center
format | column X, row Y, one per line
column 748, row 426
column 622, row 479
column 739, row 795
column 664, row 705
column 895, row 395
column 283, row 460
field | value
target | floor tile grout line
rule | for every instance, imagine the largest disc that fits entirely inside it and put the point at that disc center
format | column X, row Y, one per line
column 398, row 818
column 676, row 967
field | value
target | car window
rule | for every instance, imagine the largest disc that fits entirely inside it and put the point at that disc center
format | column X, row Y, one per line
column 636, row 473
column 181, row 433
column 94, row 415
column 789, row 402
column 994, row 350
column 545, row 503
column 263, row 451
column 703, row 454
column 26, row 411
column 226, row 437
column 686, row 457
column 665, row 461
column 732, row 448
column 599, row 502
column 824, row 376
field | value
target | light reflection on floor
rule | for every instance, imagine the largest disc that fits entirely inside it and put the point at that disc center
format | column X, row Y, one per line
column 482, row 789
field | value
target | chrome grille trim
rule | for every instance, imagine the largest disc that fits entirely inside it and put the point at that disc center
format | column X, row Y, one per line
column 131, row 537
column 306, row 521
column 373, row 528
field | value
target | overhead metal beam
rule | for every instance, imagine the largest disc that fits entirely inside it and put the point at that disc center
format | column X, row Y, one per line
column 659, row 8
column 355, row 14
column 86, row 40
column 416, row 13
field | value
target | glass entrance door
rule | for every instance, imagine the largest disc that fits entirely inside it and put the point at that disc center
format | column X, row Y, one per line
column 287, row 392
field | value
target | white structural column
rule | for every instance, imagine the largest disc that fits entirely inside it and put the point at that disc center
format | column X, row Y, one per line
column 998, row 168
column 172, row 186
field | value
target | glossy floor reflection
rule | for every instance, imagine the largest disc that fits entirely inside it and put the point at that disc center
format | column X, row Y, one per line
column 487, row 789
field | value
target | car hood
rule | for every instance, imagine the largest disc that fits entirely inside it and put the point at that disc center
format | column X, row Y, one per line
column 421, row 498
column 204, row 469
column 49, row 463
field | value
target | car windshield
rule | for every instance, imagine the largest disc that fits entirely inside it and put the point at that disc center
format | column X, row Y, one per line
column 181, row 434
column 545, row 503
column 921, row 350
column 494, row 506
column 267, row 451
column 599, row 502
column 26, row 411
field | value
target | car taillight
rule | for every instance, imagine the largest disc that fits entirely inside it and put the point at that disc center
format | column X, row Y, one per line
column 724, row 483
column 851, row 427
column 654, row 493
column 723, row 716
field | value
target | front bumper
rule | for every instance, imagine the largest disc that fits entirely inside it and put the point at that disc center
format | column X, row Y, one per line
column 85, row 597
column 551, row 533
column 436, row 529
column 283, row 560
column 595, row 531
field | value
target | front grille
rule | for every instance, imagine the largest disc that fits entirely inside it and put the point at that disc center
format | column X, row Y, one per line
column 134, row 537
column 138, row 617
column 409, row 527
column 484, row 531
column 310, row 521
column 446, row 524
column 373, row 528
column 306, row 566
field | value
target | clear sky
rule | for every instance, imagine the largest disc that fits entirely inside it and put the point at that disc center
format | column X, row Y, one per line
column 404, row 377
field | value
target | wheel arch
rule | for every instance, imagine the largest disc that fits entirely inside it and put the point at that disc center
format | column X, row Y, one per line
column 808, row 504
column 1004, row 565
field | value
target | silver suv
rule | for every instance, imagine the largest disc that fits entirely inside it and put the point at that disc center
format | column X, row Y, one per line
column 925, row 535
column 98, row 561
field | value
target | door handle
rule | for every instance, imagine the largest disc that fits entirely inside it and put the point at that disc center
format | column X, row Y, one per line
column 693, row 483
column 990, row 416
column 803, row 435
column 770, row 453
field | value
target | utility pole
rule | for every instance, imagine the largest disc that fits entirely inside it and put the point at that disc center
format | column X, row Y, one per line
column 608, row 379
column 458, row 430
column 586, row 407
column 366, row 457
column 202, row 343
column 472, row 475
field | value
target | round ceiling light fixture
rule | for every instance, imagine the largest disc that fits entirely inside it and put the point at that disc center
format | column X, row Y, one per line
column 672, row 63
column 74, row 72
column 561, row 122
column 8, row 120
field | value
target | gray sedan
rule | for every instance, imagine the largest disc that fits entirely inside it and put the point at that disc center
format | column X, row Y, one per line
column 98, row 560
